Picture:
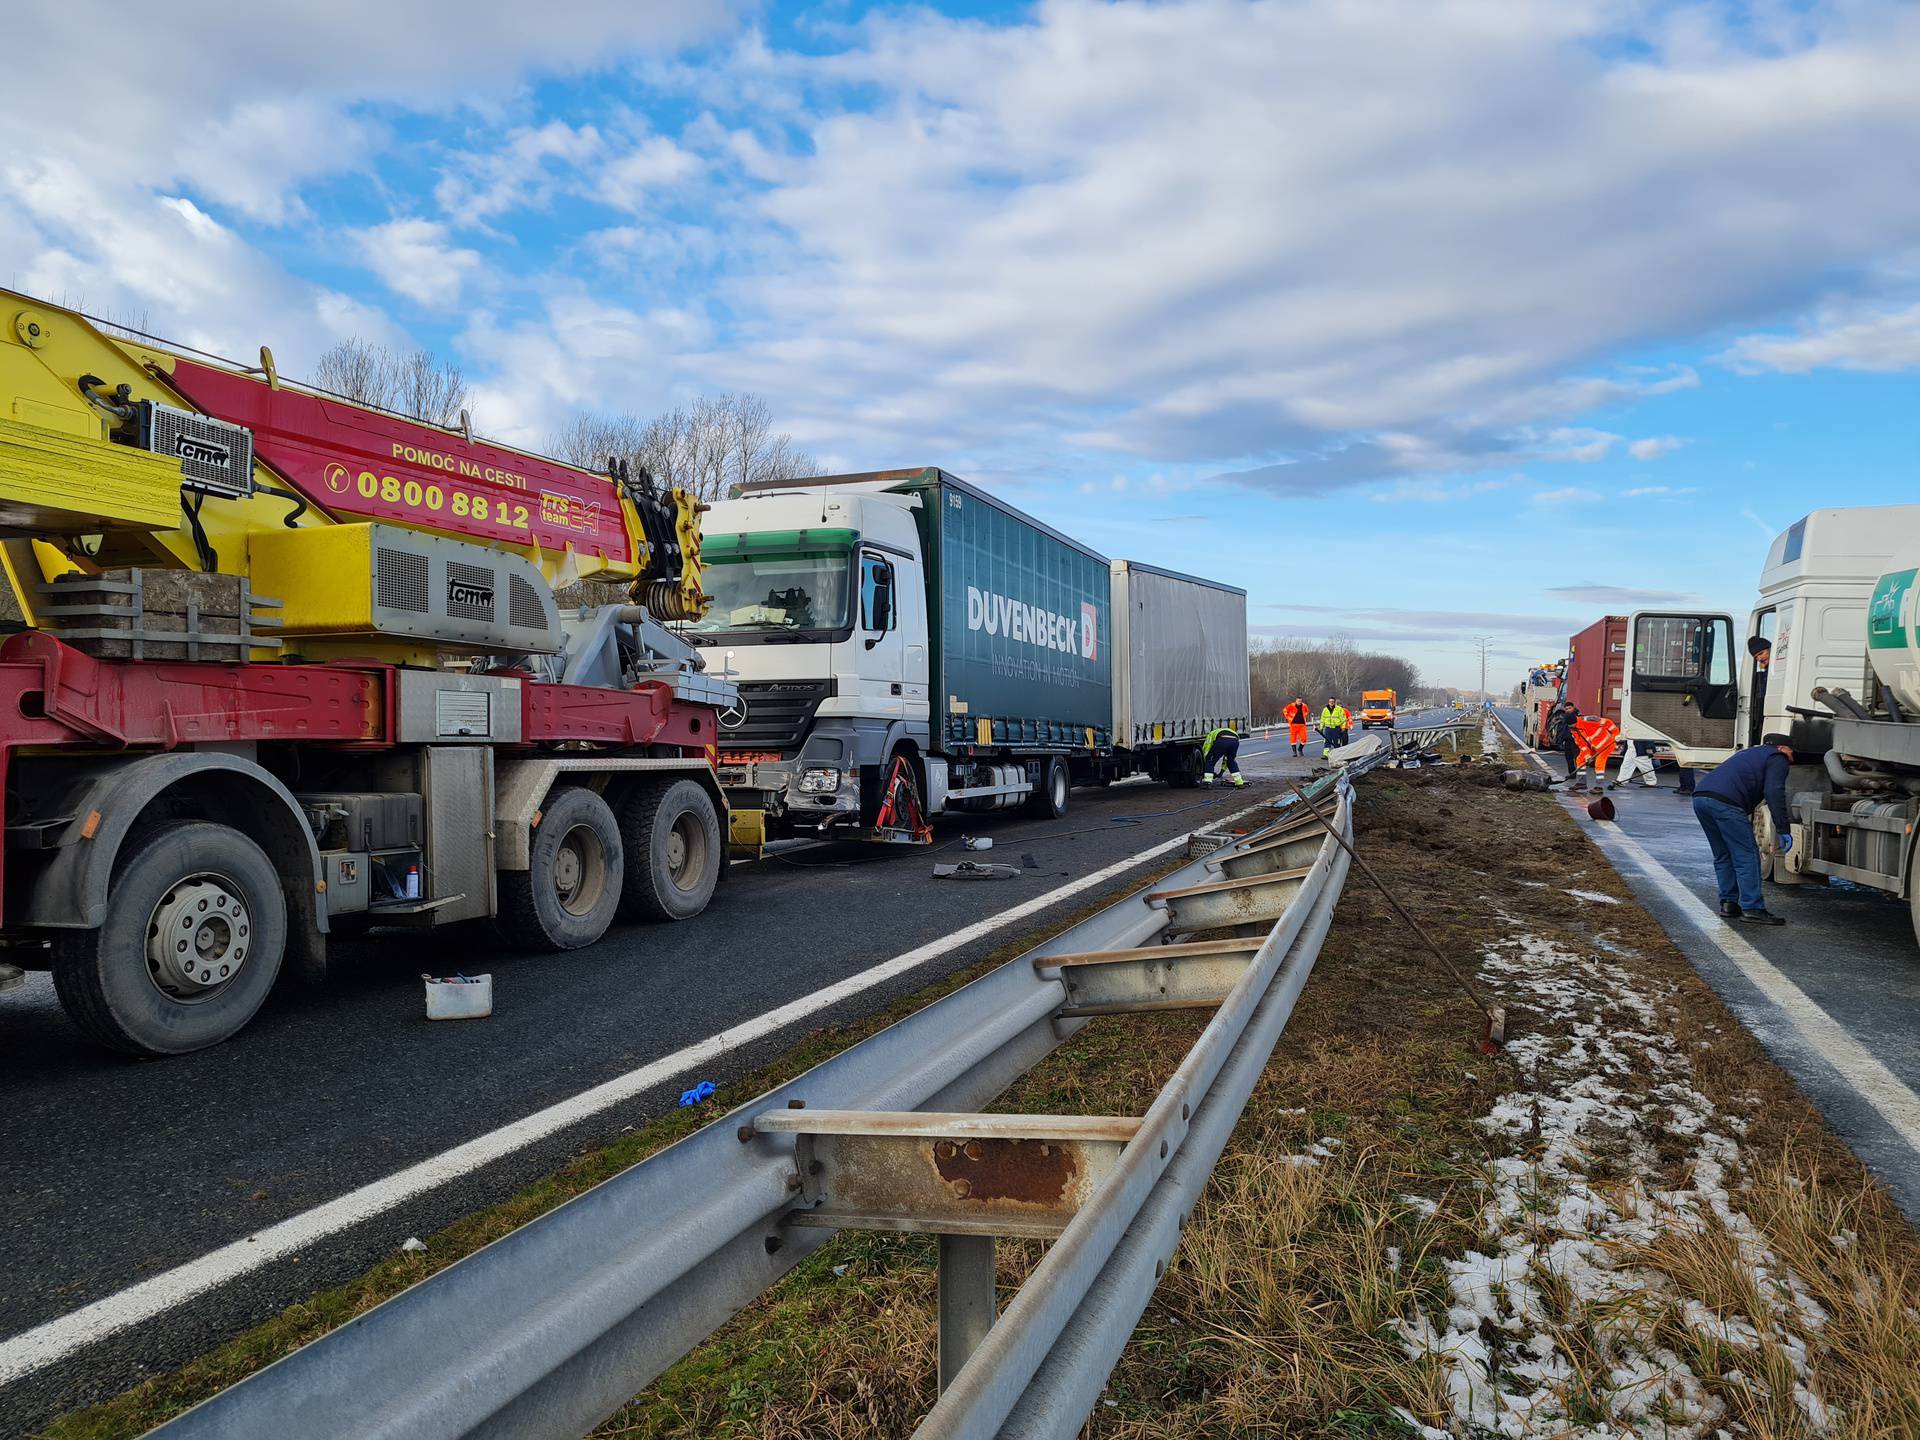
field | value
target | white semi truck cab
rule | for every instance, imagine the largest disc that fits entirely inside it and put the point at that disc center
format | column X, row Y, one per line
column 820, row 619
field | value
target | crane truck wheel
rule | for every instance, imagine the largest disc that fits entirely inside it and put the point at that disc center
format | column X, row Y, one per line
column 192, row 944
column 671, row 834
column 570, row 890
column 1049, row 798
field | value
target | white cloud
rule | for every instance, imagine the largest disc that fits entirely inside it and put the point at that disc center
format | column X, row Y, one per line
column 1838, row 339
column 523, row 170
column 653, row 163
column 1140, row 215
column 1660, row 491
column 413, row 258
column 1566, row 495
column 1654, row 446
column 122, row 178
column 1618, row 596
column 577, row 352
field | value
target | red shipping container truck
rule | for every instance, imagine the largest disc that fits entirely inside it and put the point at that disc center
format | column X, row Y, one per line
column 1597, row 667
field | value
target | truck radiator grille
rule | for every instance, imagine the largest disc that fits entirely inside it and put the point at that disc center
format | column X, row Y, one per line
column 402, row 581
column 776, row 714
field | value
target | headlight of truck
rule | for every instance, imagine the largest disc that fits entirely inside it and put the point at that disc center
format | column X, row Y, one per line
column 819, row 782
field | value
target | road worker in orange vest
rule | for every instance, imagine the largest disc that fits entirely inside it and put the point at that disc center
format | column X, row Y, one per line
column 1594, row 738
column 1296, row 714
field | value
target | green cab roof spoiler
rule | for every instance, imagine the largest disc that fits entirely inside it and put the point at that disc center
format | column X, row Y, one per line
column 741, row 544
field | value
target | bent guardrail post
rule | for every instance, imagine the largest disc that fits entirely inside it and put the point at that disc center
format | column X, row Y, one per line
column 980, row 1399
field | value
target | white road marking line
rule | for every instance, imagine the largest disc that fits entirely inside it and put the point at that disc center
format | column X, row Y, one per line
column 1525, row 749
column 1870, row 1079
column 55, row 1339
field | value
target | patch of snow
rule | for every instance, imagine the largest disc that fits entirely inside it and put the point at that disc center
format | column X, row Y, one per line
column 1595, row 896
column 1557, row 1257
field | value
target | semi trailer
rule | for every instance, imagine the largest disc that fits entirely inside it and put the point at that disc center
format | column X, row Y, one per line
column 906, row 644
column 286, row 667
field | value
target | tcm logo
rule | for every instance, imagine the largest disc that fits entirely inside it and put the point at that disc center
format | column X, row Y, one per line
column 1000, row 615
column 206, row 452
column 475, row 593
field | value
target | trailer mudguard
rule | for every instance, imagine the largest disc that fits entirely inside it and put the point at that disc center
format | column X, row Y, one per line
column 71, row 891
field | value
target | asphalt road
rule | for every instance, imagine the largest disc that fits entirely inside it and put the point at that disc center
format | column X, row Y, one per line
column 1834, row 994
column 118, row 1170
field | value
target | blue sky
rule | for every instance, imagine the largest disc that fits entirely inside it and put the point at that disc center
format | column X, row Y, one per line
column 1420, row 319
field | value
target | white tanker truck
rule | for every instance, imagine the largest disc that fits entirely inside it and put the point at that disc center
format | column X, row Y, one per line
column 1838, row 603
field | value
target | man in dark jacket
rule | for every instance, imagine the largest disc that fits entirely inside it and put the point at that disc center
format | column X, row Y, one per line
column 1724, row 802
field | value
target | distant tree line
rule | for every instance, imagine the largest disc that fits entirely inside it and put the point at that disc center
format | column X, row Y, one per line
column 1284, row 670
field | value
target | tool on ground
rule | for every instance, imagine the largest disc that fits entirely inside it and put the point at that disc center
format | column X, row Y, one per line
column 970, row 870
column 1496, row 1031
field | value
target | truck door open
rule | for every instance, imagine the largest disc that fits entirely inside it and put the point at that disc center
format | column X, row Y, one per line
column 1682, row 684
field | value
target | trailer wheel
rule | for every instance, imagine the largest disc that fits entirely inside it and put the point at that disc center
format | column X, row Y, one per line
column 1181, row 768
column 567, row 895
column 1049, row 798
column 671, row 834
column 191, row 946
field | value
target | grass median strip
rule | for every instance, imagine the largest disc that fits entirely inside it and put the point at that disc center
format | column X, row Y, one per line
column 158, row 1399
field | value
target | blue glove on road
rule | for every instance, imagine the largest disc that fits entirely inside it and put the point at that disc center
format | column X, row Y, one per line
column 1786, row 843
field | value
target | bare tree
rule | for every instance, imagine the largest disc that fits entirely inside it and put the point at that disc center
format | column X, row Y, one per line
column 413, row 382
column 1344, row 664
column 591, row 439
column 706, row 447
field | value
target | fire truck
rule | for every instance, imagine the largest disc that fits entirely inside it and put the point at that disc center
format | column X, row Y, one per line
column 286, row 667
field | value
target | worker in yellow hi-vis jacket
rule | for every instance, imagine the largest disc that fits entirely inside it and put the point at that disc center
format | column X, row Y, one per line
column 1221, row 749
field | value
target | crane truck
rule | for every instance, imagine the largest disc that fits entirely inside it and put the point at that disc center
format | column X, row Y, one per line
column 286, row 667
column 906, row 644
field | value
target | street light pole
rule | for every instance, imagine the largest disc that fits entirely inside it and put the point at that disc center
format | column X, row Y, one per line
column 1485, row 643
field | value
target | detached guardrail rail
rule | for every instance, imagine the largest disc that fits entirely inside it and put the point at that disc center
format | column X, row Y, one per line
column 552, row 1328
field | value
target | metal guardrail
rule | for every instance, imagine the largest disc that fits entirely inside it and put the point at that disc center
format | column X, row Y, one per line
column 550, row 1329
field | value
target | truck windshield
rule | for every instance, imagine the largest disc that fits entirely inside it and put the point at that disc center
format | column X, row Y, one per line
column 777, row 594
